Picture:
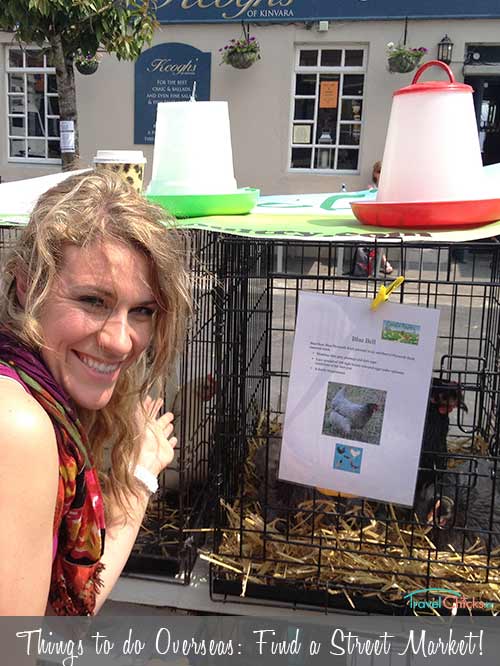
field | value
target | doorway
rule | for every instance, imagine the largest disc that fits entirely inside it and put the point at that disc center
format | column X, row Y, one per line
column 486, row 98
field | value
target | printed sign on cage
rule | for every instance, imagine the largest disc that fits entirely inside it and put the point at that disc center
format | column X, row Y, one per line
column 357, row 397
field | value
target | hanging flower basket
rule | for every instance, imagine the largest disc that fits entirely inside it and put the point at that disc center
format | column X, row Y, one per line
column 242, row 60
column 87, row 63
column 241, row 53
column 403, row 59
column 87, row 67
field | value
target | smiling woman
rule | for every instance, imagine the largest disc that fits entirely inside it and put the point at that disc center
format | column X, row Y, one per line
column 97, row 282
column 99, row 320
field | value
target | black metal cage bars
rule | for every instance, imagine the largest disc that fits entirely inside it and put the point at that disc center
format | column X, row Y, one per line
column 288, row 544
column 179, row 518
column 274, row 540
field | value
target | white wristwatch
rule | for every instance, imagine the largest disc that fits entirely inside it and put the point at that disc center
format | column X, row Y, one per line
column 148, row 479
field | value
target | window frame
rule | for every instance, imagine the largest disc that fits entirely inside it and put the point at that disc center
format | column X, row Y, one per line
column 24, row 71
column 318, row 69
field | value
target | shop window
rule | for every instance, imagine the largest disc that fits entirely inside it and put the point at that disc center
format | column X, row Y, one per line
column 32, row 107
column 327, row 108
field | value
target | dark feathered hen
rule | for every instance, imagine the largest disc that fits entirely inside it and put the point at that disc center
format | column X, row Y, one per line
column 277, row 498
column 463, row 506
column 445, row 396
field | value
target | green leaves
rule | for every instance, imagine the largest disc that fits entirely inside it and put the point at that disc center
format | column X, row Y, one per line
column 114, row 26
column 43, row 7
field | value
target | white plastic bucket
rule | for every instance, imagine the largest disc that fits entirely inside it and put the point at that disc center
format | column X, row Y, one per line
column 432, row 150
column 192, row 151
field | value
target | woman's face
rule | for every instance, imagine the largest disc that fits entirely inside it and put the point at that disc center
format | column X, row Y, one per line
column 97, row 319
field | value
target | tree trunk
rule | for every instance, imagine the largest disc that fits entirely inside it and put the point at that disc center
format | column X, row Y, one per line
column 65, row 77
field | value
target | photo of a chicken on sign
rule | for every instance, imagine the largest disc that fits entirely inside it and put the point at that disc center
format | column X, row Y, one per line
column 357, row 396
column 354, row 412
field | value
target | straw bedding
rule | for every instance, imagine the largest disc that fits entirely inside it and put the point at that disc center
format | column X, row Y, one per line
column 340, row 544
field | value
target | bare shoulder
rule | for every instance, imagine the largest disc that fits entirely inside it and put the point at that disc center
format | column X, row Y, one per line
column 23, row 420
column 29, row 472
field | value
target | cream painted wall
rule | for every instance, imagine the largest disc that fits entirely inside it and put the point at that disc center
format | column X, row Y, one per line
column 259, row 97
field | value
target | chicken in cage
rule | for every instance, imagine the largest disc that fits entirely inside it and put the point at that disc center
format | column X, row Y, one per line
column 463, row 506
column 303, row 544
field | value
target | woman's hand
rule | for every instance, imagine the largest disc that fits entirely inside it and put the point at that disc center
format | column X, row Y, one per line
column 156, row 451
column 157, row 445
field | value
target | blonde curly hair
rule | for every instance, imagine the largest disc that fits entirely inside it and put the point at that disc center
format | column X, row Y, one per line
column 83, row 209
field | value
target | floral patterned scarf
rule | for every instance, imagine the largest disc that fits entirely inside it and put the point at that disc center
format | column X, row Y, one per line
column 79, row 516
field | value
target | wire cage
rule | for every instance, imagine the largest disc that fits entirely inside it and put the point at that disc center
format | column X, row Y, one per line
column 178, row 519
column 178, row 515
column 295, row 545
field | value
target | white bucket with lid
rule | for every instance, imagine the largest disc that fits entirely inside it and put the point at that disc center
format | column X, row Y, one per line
column 192, row 150
column 432, row 150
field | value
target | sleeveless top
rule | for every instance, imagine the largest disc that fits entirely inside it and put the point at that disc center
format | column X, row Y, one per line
column 78, row 529
column 7, row 371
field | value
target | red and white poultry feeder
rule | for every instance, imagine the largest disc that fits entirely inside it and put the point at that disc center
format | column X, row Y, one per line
column 432, row 173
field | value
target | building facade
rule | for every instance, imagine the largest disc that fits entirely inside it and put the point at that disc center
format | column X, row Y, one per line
column 309, row 116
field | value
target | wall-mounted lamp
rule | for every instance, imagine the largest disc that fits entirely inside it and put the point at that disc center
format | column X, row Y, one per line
column 323, row 26
column 445, row 50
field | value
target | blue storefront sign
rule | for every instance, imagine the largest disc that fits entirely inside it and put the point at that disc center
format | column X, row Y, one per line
column 222, row 11
column 167, row 73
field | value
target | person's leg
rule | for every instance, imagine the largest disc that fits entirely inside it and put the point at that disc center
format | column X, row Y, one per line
column 386, row 266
